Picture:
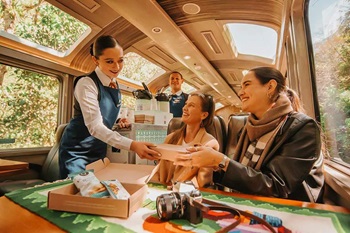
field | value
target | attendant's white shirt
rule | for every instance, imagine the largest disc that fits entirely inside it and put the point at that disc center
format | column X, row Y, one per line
column 86, row 93
column 178, row 93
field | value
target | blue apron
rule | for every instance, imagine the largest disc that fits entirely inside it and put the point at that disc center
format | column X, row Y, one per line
column 77, row 147
column 176, row 104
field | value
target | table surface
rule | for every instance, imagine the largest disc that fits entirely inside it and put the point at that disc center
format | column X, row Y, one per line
column 7, row 165
column 14, row 218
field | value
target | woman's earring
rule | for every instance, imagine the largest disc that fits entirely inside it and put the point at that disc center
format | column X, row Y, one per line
column 201, row 124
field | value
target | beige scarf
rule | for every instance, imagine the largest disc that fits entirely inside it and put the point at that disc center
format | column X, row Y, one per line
column 261, row 133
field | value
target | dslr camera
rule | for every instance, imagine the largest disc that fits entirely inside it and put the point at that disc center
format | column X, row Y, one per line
column 179, row 205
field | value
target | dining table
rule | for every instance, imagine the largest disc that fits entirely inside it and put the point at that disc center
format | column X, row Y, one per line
column 26, row 211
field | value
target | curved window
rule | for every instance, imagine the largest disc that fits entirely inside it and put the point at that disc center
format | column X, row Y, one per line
column 140, row 69
column 329, row 22
column 244, row 39
column 40, row 25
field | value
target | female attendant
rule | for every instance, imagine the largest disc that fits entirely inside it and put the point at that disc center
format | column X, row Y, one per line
column 96, row 107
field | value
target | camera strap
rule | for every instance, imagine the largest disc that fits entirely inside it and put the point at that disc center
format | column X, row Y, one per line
column 212, row 205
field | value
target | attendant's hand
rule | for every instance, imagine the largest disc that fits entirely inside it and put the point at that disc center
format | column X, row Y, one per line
column 143, row 151
column 199, row 156
column 123, row 123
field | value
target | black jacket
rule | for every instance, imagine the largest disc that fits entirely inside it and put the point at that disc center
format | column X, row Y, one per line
column 292, row 169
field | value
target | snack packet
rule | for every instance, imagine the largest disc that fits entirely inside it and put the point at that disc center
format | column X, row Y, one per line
column 88, row 184
column 116, row 189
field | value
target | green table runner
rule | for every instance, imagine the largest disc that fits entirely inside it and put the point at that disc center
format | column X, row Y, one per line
column 295, row 219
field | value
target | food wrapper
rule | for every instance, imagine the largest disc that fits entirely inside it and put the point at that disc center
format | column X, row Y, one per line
column 89, row 185
column 116, row 189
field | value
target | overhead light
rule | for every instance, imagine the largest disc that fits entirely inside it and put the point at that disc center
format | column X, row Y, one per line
column 156, row 30
column 191, row 8
column 215, row 84
column 244, row 72
column 197, row 67
column 229, row 96
column 187, row 57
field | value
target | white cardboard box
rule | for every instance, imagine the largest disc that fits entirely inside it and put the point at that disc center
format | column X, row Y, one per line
column 133, row 177
column 170, row 151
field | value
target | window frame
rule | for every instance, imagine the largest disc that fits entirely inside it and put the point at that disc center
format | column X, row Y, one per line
column 40, row 150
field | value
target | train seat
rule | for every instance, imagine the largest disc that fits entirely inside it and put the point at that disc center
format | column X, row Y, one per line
column 217, row 129
column 49, row 171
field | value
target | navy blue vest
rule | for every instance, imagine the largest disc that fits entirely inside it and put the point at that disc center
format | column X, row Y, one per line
column 78, row 148
column 177, row 103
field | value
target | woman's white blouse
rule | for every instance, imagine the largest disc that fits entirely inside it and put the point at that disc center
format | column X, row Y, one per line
column 86, row 94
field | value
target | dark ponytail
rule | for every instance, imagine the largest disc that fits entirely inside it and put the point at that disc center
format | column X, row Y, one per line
column 102, row 43
column 295, row 100
column 265, row 74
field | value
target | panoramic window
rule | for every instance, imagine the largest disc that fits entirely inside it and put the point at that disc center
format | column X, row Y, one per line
column 329, row 21
column 184, row 87
column 137, row 69
column 41, row 25
column 244, row 39
column 128, row 101
column 28, row 108
column 140, row 69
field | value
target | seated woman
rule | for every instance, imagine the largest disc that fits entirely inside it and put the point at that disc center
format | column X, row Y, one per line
column 198, row 113
column 279, row 151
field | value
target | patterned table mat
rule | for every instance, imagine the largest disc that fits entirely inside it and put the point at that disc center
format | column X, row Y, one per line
column 294, row 219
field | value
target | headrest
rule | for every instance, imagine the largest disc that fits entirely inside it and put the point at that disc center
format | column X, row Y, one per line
column 59, row 132
column 217, row 129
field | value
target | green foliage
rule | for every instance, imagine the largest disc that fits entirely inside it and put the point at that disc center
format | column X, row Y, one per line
column 128, row 101
column 332, row 59
column 44, row 24
column 29, row 101
column 139, row 69
column 29, row 108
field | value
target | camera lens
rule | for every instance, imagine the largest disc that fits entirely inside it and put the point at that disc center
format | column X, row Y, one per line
column 170, row 206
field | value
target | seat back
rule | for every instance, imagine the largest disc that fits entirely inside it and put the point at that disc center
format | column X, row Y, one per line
column 234, row 131
column 217, row 129
column 50, row 170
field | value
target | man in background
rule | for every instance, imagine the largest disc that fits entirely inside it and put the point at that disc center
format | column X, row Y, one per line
column 178, row 97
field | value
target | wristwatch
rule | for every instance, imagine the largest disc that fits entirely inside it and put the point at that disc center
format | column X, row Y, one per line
column 222, row 164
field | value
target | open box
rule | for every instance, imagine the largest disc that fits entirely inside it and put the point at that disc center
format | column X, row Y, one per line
column 133, row 177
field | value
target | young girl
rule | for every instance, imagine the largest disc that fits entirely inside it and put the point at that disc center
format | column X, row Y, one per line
column 198, row 113
column 96, row 107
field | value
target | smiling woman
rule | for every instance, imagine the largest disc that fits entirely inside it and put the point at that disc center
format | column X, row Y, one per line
column 46, row 69
column 198, row 113
column 279, row 150
column 97, row 106
column 260, row 89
